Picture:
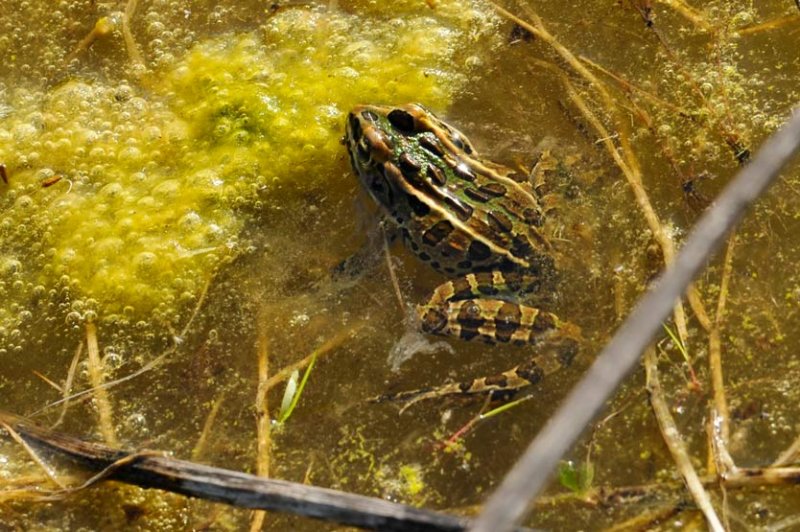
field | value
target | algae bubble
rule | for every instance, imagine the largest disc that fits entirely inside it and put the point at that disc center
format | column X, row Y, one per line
column 132, row 192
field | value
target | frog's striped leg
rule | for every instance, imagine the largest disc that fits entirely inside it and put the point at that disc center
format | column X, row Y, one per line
column 495, row 321
column 503, row 385
column 482, row 285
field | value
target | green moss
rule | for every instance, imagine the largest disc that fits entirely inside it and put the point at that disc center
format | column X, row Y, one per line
column 153, row 183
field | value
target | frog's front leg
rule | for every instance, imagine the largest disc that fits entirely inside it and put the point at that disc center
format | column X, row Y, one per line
column 469, row 308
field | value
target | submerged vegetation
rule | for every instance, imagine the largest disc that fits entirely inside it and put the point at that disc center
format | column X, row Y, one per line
column 174, row 193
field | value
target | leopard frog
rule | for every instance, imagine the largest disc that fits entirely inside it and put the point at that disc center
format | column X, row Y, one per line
column 475, row 221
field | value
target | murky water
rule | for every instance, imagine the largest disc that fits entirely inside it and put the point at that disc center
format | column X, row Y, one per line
column 184, row 189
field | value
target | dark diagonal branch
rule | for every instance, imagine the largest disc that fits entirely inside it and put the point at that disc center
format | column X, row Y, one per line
column 150, row 469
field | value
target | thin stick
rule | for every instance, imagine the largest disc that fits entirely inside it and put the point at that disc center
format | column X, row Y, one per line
column 103, row 403
column 390, row 267
column 73, row 368
column 672, row 437
column 769, row 25
column 719, row 421
column 33, row 454
column 329, row 345
column 48, row 381
column 263, row 434
column 789, row 455
column 689, row 13
column 130, row 43
column 200, row 446
column 104, row 386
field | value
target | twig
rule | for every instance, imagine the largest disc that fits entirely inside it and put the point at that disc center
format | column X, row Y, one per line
column 508, row 504
column 33, row 454
column 48, row 381
column 324, row 349
column 200, row 446
column 73, row 368
column 103, row 403
column 104, row 386
column 672, row 437
column 689, row 13
column 104, row 26
column 789, row 455
column 130, row 43
column 719, row 419
column 263, row 434
column 390, row 267
column 647, row 520
column 775, row 23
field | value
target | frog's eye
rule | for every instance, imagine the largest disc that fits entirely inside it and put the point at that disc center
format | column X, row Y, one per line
column 401, row 120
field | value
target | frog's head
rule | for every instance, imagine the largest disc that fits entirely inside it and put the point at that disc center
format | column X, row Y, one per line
column 396, row 149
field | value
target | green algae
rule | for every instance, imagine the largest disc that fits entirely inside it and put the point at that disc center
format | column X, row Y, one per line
column 129, row 196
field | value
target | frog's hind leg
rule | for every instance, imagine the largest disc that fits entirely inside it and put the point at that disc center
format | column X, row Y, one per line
column 496, row 321
column 501, row 386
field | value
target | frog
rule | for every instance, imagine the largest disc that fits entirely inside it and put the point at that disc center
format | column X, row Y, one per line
column 479, row 223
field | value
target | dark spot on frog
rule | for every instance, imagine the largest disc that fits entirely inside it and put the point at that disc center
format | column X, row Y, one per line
column 463, row 171
column 436, row 175
column 465, row 265
column 431, row 145
column 437, row 233
column 530, row 372
column 543, row 322
column 424, row 256
column 408, row 165
column 478, row 251
column 462, row 210
column 521, row 247
column 458, row 142
column 499, row 221
column 401, row 120
column 533, row 217
column 461, row 289
column 496, row 380
column 418, row 207
column 477, row 195
column 493, row 189
column 433, row 320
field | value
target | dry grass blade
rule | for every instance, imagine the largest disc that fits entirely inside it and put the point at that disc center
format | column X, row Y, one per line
column 674, row 441
column 36, row 458
column 73, row 368
column 200, row 447
column 130, row 43
column 324, row 349
column 719, row 418
column 263, row 433
column 105, row 412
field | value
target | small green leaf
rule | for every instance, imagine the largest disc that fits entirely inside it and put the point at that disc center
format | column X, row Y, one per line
column 568, row 476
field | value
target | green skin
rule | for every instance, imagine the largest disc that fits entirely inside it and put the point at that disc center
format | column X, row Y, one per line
column 470, row 219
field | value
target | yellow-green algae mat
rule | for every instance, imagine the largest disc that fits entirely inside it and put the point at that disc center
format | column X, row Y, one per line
column 123, row 198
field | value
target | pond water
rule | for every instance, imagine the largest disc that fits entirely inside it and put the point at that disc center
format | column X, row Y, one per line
column 177, row 193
